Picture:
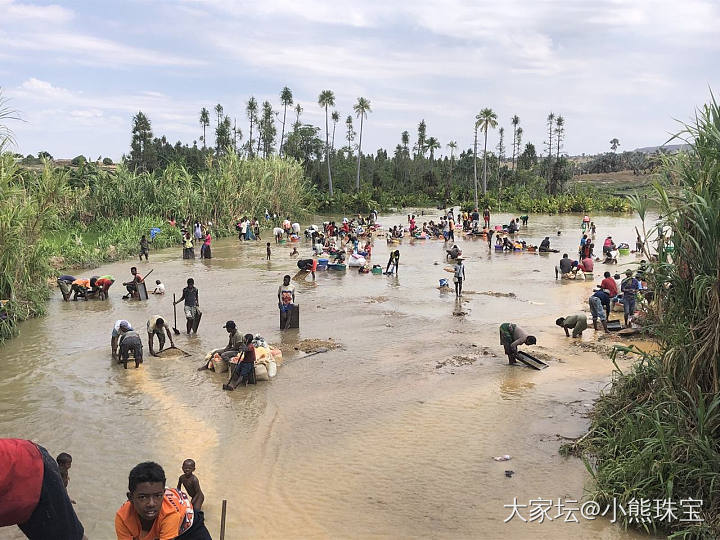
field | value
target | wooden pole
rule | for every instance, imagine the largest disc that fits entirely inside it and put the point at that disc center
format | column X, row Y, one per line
column 222, row 520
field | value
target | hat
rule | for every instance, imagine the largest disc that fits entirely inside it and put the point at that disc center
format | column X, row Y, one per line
column 124, row 325
column 628, row 272
column 230, row 325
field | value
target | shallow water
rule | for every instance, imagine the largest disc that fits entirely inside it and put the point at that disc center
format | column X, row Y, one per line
column 382, row 438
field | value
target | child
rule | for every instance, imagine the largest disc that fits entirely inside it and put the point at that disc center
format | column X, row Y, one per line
column 153, row 511
column 293, row 253
column 159, row 287
column 64, row 461
column 191, row 484
column 268, row 251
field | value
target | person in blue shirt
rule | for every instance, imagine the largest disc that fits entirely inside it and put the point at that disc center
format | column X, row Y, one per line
column 629, row 288
column 600, row 308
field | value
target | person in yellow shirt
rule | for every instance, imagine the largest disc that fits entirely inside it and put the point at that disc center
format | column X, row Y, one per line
column 154, row 512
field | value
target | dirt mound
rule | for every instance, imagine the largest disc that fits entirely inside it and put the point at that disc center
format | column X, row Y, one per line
column 499, row 294
column 172, row 353
column 312, row 345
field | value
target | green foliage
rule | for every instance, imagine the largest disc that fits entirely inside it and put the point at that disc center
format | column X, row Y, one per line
column 84, row 216
column 655, row 434
column 107, row 161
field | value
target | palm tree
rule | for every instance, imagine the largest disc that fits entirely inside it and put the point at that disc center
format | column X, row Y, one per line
column 515, row 121
column 335, row 119
column 487, row 119
column 477, row 125
column 286, row 98
column 550, row 119
column 327, row 99
column 559, row 132
column 349, row 133
column 361, row 108
column 452, row 145
column 298, row 112
column 432, row 145
column 219, row 112
column 204, row 122
column 251, row 109
column 614, row 143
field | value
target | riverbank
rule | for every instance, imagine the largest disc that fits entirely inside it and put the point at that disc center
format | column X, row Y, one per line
column 61, row 218
column 393, row 434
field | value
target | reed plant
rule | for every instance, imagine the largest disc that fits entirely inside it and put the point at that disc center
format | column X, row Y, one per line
column 58, row 219
column 655, row 434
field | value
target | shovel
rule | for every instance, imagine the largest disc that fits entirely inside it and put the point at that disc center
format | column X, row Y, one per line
column 175, row 330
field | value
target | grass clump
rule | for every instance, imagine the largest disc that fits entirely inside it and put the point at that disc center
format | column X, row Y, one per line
column 655, row 434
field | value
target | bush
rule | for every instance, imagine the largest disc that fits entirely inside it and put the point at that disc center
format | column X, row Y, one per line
column 78, row 160
column 107, row 161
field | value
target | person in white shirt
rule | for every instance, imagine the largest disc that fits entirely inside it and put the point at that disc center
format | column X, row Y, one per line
column 159, row 287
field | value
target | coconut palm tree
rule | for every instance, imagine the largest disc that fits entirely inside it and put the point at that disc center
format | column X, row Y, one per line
column 452, row 145
column 515, row 121
column 298, row 112
column 559, row 133
column 349, row 133
column 361, row 108
column 286, row 98
column 219, row 113
column 477, row 125
column 335, row 119
column 251, row 109
column 487, row 119
column 327, row 99
column 204, row 122
column 432, row 145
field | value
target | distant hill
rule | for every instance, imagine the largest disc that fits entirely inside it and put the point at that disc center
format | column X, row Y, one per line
column 669, row 148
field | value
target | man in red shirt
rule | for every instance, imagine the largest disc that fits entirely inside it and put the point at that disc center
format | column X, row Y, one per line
column 244, row 369
column 609, row 285
column 32, row 493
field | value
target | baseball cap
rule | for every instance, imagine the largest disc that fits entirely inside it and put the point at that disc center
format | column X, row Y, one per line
column 229, row 324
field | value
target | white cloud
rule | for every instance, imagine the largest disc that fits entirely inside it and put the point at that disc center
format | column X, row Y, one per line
column 14, row 11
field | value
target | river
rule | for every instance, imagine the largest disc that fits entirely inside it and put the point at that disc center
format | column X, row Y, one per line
column 391, row 435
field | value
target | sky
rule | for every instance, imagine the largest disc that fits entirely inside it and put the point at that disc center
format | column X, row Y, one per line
column 78, row 71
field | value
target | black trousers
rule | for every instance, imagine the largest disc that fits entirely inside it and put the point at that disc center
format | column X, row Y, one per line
column 53, row 516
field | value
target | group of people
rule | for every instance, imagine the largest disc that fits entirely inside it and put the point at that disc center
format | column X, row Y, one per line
column 200, row 234
column 94, row 287
column 611, row 290
column 125, row 341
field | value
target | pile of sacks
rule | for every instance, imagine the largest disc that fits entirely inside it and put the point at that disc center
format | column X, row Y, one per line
column 267, row 359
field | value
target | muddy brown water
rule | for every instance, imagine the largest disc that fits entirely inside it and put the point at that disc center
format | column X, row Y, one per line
column 392, row 435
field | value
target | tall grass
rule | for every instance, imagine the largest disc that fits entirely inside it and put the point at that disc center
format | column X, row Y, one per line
column 656, row 432
column 87, row 216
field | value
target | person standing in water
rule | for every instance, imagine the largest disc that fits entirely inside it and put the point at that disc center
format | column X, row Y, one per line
column 486, row 217
column 192, row 303
column 393, row 262
column 190, row 482
column 144, row 247
column 459, row 270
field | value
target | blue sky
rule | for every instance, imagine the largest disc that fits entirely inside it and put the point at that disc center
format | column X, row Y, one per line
column 77, row 71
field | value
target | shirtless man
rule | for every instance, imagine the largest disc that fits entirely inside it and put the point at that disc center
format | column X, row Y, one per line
column 190, row 482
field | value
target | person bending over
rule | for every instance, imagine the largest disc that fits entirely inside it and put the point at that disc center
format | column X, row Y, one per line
column 511, row 337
